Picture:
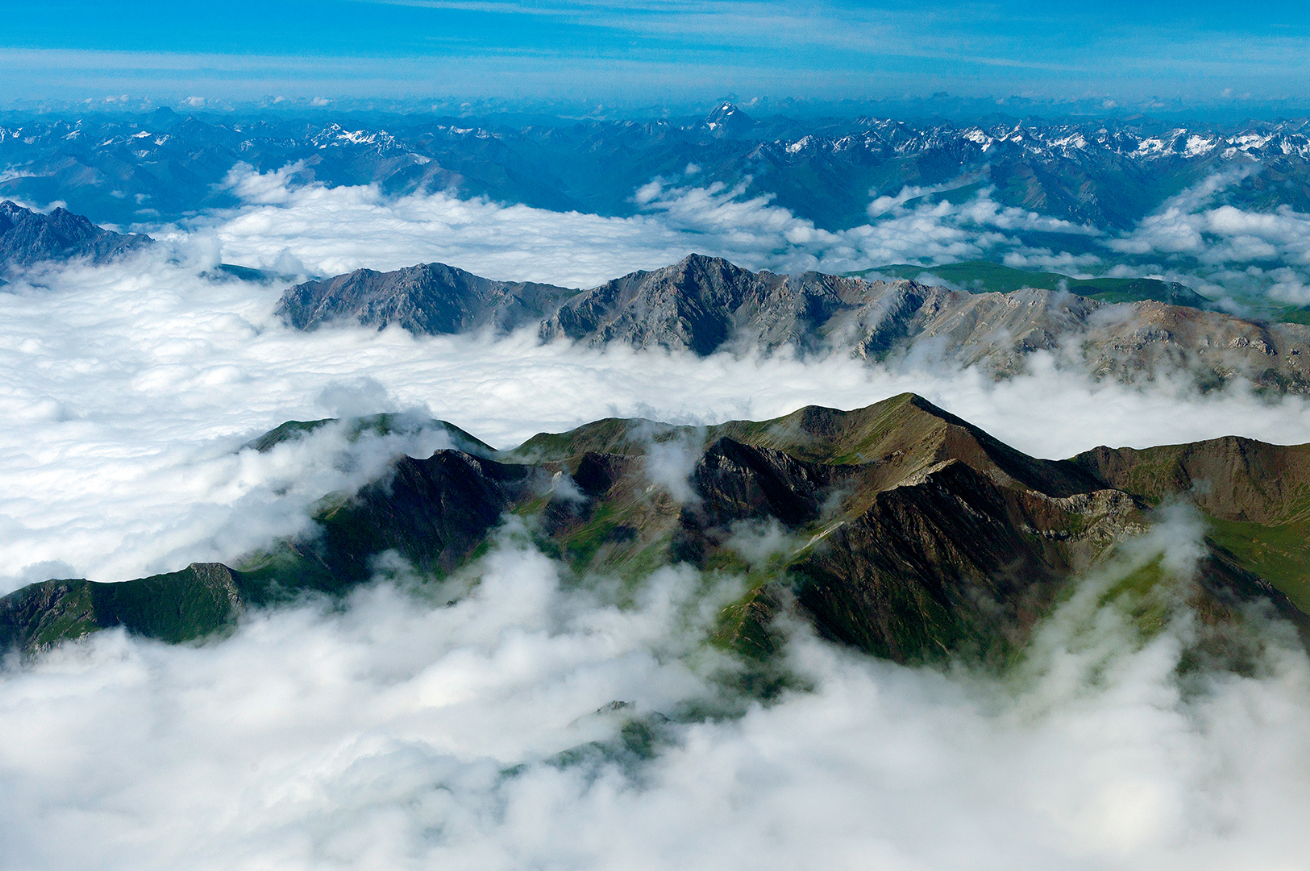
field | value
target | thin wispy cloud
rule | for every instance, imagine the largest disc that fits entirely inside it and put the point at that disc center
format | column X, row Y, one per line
column 838, row 49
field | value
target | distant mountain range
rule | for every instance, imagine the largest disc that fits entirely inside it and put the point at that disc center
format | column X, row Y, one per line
column 981, row 276
column 902, row 530
column 704, row 304
column 28, row 237
column 1106, row 174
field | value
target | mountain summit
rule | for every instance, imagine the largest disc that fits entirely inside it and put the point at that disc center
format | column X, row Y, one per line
column 727, row 121
column 28, row 237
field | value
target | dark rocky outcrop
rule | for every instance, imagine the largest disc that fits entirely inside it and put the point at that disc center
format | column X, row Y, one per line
column 28, row 237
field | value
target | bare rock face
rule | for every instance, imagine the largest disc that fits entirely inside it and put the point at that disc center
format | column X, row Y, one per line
column 706, row 304
column 28, row 237
column 427, row 299
column 699, row 304
column 899, row 528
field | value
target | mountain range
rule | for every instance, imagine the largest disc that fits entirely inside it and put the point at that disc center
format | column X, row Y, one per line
column 1101, row 173
column 898, row 528
column 704, row 304
column 1121, row 328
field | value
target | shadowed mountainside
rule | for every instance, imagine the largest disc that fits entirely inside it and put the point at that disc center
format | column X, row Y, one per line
column 28, row 237
column 897, row 528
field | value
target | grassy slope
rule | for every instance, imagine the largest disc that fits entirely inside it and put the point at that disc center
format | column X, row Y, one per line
column 1255, row 497
column 1278, row 553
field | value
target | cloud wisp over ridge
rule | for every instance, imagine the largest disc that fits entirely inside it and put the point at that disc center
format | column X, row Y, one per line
column 1223, row 251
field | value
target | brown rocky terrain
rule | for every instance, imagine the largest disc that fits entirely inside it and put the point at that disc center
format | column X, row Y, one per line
column 706, row 304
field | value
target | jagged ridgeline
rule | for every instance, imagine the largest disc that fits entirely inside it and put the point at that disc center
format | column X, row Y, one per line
column 706, row 304
column 898, row 529
column 28, row 237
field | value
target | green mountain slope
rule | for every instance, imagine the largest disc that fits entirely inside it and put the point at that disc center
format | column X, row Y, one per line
column 899, row 529
column 981, row 276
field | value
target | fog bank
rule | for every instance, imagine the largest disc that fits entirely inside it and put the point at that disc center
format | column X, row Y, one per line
column 399, row 733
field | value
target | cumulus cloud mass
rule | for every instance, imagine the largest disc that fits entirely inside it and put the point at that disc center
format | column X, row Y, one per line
column 333, row 230
column 527, row 726
column 513, row 717
column 1222, row 251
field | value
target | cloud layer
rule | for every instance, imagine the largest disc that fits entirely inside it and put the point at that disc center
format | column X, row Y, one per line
column 334, row 230
column 398, row 733
column 1223, row 251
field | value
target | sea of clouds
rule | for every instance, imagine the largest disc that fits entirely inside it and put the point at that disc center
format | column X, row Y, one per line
column 397, row 733
column 401, row 731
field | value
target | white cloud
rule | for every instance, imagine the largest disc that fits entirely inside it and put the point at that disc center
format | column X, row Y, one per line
column 1229, row 246
column 398, row 733
column 335, row 230
column 884, row 204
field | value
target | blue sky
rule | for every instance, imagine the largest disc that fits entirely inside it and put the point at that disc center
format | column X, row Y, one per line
column 656, row 50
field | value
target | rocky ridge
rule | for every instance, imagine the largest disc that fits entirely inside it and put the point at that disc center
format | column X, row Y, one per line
column 430, row 298
column 704, row 304
column 898, row 528
column 28, row 237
